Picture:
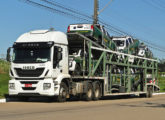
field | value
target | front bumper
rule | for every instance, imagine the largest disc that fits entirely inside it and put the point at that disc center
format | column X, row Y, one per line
column 35, row 89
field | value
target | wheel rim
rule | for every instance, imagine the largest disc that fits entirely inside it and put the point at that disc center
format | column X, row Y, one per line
column 89, row 93
column 97, row 92
column 63, row 93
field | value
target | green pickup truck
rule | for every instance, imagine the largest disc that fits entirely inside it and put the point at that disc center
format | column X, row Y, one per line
column 95, row 32
column 127, row 45
column 144, row 51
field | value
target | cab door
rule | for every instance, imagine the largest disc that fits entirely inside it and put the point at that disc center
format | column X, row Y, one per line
column 57, row 59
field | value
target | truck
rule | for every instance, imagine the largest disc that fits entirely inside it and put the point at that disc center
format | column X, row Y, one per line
column 62, row 66
column 127, row 44
column 95, row 32
column 144, row 51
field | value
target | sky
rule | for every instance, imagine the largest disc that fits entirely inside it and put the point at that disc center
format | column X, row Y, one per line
column 142, row 18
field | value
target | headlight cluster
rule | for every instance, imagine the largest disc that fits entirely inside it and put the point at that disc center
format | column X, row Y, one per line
column 46, row 86
column 11, row 86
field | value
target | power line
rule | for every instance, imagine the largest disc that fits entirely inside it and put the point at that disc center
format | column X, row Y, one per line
column 71, row 13
column 105, row 7
column 153, row 4
column 56, row 4
column 54, row 10
column 157, row 3
column 52, row 2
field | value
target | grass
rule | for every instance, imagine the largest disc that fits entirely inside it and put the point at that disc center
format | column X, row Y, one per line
column 4, row 77
column 4, row 66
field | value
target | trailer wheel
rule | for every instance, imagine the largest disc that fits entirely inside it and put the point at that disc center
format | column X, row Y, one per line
column 96, row 92
column 89, row 93
column 62, row 93
column 149, row 92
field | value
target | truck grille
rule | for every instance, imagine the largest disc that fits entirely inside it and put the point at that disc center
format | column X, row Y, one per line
column 29, row 82
column 29, row 73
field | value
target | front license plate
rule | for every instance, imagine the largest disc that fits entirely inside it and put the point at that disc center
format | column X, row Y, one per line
column 28, row 85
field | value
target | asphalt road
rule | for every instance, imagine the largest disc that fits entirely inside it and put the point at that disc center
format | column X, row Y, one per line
column 114, row 109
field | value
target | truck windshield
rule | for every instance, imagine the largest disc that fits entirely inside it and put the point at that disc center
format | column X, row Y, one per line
column 119, row 43
column 31, row 55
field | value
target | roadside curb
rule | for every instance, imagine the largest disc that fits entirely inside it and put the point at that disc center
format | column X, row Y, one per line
column 2, row 100
column 159, row 93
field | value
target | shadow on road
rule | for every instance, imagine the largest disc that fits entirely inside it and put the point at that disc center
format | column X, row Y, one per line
column 146, row 104
column 52, row 100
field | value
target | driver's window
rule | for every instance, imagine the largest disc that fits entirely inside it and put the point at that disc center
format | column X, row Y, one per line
column 57, row 56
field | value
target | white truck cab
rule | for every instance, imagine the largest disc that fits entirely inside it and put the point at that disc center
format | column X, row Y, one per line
column 39, row 63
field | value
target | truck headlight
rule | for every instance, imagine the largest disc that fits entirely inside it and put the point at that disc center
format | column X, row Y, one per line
column 46, row 86
column 11, row 86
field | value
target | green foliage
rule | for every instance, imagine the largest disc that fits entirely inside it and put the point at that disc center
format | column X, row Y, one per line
column 4, row 66
column 4, row 77
column 161, row 65
column 161, row 80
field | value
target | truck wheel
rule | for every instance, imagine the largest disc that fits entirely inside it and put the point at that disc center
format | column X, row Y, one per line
column 96, row 92
column 89, row 93
column 149, row 92
column 62, row 93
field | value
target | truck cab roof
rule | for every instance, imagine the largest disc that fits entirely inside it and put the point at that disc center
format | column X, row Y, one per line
column 43, row 36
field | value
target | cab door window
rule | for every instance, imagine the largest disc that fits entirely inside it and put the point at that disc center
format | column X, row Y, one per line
column 57, row 56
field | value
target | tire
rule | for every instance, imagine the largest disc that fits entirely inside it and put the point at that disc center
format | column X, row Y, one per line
column 62, row 93
column 89, row 93
column 96, row 92
column 149, row 92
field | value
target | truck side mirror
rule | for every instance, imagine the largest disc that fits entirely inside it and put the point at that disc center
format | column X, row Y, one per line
column 8, row 54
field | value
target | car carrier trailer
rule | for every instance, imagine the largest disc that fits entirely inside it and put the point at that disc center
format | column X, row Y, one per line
column 53, row 64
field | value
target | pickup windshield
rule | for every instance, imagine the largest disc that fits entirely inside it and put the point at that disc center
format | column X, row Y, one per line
column 31, row 55
column 119, row 43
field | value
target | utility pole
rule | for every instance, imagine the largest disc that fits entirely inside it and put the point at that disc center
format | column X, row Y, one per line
column 95, row 18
